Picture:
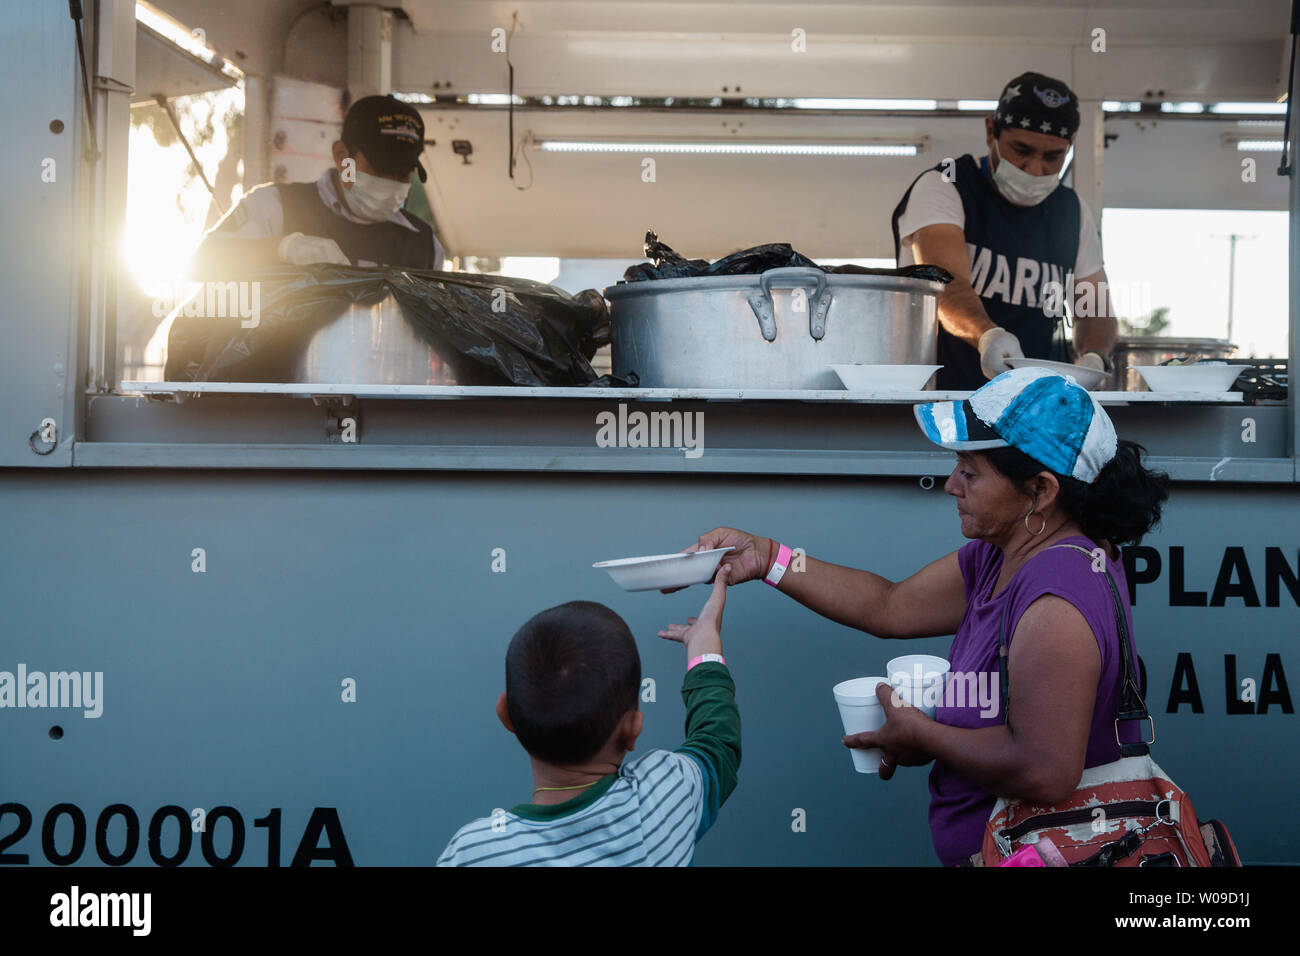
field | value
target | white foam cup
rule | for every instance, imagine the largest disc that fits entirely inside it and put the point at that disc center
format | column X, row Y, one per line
column 919, row 680
column 860, row 711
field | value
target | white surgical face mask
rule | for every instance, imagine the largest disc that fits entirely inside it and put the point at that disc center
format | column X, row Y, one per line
column 1020, row 187
column 374, row 198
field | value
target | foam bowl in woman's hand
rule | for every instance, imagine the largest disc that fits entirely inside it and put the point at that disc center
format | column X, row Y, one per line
column 654, row 571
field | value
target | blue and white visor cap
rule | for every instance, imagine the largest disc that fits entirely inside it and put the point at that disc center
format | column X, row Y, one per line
column 1049, row 417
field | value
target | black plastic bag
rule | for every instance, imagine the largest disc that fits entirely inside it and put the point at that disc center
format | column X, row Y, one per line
column 536, row 335
column 667, row 264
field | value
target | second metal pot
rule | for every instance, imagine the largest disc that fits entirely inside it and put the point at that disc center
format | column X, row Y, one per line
column 1154, row 349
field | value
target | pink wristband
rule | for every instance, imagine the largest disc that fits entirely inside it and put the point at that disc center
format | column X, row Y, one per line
column 778, row 567
column 705, row 657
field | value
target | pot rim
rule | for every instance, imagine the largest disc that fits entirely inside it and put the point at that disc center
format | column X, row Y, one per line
column 750, row 282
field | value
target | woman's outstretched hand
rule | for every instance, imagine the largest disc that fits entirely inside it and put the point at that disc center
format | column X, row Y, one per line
column 748, row 560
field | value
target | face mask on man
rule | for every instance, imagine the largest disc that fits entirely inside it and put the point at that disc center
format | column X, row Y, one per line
column 1020, row 187
column 374, row 198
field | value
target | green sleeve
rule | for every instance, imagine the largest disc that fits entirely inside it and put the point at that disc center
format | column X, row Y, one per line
column 712, row 733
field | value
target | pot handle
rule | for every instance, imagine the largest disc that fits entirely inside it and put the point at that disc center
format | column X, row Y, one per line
column 791, row 277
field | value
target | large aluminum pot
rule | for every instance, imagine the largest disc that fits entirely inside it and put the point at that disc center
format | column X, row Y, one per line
column 784, row 328
column 1154, row 349
column 370, row 345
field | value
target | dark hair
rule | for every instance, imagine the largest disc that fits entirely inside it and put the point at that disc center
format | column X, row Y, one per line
column 1120, row 506
column 572, row 672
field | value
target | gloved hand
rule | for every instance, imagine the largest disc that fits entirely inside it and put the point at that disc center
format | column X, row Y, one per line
column 299, row 250
column 996, row 346
column 1091, row 360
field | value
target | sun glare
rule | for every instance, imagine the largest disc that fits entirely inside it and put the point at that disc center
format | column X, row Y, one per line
column 167, row 205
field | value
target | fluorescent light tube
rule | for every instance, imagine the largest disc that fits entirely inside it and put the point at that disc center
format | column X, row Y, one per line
column 1255, row 107
column 728, row 148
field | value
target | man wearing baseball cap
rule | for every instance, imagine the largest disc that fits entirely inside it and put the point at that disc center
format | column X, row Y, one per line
column 351, row 215
column 1017, row 242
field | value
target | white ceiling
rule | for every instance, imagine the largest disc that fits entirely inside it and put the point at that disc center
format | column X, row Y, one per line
column 583, row 204
column 597, row 205
column 251, row 32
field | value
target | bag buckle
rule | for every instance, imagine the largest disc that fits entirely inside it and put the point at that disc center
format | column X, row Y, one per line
column 1160, row 859
column 1144, row 743
column 1003, row 843
column 1168, row 818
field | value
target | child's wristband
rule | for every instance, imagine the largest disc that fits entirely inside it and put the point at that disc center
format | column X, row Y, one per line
column 778, row 567
column 705, row 657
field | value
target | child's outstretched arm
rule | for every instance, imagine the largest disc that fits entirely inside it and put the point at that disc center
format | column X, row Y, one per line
column 712, row 719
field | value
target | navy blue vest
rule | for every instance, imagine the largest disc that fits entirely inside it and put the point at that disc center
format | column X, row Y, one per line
column 1016, row 251
column 386, row 243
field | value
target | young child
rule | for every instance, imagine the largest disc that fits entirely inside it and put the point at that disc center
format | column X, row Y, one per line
column 573, row 681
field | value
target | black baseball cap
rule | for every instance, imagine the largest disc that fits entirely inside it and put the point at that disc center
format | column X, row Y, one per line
column 1040, row 104
column 389, row 132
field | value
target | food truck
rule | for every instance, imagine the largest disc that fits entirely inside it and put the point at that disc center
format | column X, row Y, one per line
column 284, row 603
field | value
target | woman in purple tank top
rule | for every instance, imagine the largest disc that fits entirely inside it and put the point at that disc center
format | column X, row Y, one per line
column 1047, row 494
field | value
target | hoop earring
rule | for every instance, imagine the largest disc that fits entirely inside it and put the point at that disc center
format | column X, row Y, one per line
column 1040, row 527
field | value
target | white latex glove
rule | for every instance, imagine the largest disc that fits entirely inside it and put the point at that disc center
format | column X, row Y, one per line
column 996, row 346
column 299, row 250
column 1091, row 360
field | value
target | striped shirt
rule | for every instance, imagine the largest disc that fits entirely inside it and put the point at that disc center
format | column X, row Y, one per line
column 650, row 813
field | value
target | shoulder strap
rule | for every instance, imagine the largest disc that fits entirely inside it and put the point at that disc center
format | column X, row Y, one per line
column 1130, row 705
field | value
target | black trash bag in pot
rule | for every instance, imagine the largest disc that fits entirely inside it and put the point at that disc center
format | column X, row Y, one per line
column 667, row 264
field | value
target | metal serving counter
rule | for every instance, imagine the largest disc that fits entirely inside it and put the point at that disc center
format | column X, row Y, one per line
column 1192, row 437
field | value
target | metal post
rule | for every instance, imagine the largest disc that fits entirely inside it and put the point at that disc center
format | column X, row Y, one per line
column 1089, row 149
column 370, row 51
column 114, row 77
column 1232, row 238
column 1293, row 223
column 1232, row 277
column 257, row 132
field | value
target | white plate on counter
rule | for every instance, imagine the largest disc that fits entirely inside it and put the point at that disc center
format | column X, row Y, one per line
column 1190, row 378
column 885, row 378
column 654, row 571
column 1089, row 378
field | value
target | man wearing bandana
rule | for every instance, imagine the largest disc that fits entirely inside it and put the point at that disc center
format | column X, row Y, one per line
column 351, row 215
column 1023, row 249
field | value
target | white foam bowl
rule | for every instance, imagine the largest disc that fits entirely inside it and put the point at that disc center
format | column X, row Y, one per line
column 654, row 571
column 885, row 378
column 1089, row 378
column 1190, row 378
